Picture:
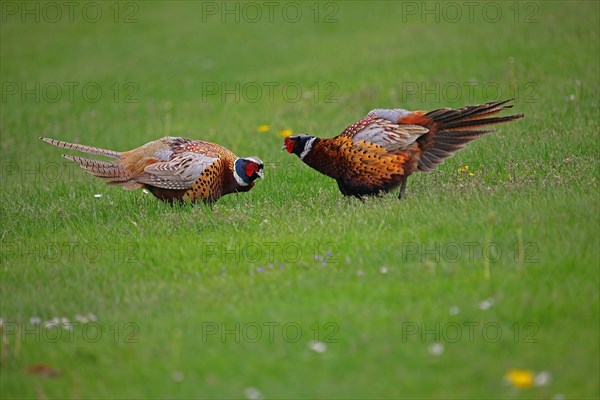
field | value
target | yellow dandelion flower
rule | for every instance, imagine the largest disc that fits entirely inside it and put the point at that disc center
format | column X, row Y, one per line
column 285, row 132
column 263, row 128
column 471, row 174
column 520, row 378
column 464, row 170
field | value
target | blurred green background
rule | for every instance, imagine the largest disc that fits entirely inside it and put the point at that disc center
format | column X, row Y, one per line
column 290, row 290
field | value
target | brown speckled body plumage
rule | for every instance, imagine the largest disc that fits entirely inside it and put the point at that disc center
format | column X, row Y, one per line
column 172, row 168
column 379, row 152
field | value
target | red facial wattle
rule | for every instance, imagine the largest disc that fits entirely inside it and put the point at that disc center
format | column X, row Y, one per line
column 251, row 168
column 289, row 145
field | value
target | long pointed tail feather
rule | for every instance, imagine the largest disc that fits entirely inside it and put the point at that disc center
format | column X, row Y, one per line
column 114, row 173
column 480, row 122
column 452, row 129
column 83, row 148
column 101, row 169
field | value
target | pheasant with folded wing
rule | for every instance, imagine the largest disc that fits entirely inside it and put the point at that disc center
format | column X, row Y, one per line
column 172, row 168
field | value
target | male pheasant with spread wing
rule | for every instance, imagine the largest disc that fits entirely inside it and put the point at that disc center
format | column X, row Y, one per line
column 378, row 153
column 172, row 168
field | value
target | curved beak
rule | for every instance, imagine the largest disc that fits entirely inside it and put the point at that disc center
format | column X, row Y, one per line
column 283, row 148
column 261, row 173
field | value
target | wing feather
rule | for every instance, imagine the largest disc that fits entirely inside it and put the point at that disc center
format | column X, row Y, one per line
column 381, row 127
column 179, row 173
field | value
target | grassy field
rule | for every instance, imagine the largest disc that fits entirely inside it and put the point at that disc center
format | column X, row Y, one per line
column 291, row 290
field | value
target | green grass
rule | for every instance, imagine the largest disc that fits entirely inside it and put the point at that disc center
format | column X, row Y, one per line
column 159, row 278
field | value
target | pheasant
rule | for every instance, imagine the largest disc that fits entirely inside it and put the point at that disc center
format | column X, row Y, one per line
column 378, row 153
column 172, row 168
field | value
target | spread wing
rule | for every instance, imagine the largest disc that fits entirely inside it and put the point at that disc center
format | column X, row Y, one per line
column 383, row 127
column 179, row 173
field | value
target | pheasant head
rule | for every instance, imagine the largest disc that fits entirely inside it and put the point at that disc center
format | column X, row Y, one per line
column 247, row 170
column 299, row 145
